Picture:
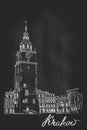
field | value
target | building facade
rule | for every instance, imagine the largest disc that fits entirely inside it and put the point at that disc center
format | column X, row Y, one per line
column 69, row 103
column 26, row 98
column 9, row 105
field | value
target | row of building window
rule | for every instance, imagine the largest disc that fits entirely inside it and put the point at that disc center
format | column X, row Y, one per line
column 11, row 96
column 53, row 105
column 57, row 110
column 9, row 103
column 48, row 96
column 47, row 100
column 47, row 105
column 25, row 47
column 52, row 110
column 9, row 111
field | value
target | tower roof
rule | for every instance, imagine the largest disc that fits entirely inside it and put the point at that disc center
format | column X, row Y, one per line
column 25, row 43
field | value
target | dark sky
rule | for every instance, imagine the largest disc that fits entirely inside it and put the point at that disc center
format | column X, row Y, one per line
column 57, row 30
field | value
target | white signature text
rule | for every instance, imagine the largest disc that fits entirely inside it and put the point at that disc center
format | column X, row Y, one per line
column 50, row 120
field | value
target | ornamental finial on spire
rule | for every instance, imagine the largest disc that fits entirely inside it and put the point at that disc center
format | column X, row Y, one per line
column 26, row 34
column 25, row 26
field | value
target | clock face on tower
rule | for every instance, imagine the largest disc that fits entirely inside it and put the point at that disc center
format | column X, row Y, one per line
column 28, row 55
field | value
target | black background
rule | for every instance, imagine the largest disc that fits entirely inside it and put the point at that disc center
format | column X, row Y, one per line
column 66, row 20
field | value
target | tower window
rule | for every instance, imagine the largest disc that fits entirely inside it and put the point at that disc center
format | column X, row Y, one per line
column 26, row 93
column 20, row 78
column 27, row 109
column 28, row 67
column 34, row 101
column 25, row 100
column 24, row 85
column 27, row 46
column 20, row 69
column 31, row 48
column 23, row 46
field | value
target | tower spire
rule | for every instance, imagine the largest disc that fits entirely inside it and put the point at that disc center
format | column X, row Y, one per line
column 26, row 34
column 26, row 26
